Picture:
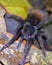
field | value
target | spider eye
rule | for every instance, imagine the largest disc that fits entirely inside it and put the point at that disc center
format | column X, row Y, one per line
column 35, row 22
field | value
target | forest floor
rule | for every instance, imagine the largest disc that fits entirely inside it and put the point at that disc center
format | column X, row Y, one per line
column 12, row 56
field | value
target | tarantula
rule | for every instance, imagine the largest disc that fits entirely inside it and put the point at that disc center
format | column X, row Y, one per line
column 29, row 30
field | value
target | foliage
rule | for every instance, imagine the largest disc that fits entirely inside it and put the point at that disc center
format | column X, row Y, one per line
column 17, row 7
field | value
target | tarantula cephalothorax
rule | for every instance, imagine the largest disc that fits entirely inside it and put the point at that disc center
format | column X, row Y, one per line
column 30, row 30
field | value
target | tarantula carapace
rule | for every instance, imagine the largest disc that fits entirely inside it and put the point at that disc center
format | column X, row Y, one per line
column 29, row 30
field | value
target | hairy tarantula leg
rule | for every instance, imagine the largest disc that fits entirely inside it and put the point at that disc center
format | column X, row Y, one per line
column 41, row 42
column 46, row 39
column 26, row 51
column 42, row 46
column 10, row 42
column 17, row 18
column 20, row 42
